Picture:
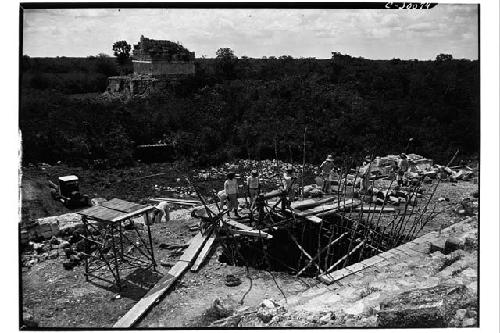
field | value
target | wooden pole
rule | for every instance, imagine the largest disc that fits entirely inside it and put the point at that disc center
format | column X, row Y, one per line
column 303, row 162
column 117, row 265
column 87, row 246
column 321, row 251
column 344, row 257
column 303, row 251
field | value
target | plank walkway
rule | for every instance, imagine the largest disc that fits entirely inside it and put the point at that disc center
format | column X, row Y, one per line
column 145, row 303
column 204, row 253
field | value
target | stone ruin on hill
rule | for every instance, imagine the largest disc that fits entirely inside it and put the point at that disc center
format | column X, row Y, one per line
column 157, row 64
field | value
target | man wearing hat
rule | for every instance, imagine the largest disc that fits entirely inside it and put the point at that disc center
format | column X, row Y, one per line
column 403, row 167
column 326, row 172
column 253, row 186
column 231, row 189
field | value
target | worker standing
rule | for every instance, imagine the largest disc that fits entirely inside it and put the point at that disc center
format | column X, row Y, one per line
column 403, row 167
column 253, row 185
column 289, row 183
column 231, row 189
column 365, row 173
column 326, row 172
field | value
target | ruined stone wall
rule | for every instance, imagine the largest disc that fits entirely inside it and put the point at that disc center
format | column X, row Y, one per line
column 162, row 58
column 134, row 85
column 162, row 67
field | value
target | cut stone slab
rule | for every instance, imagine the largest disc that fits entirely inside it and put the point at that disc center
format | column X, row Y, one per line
column 437, row 246
column 418, row 308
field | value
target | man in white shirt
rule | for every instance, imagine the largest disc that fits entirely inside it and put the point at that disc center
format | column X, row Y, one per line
column 222, row 198
column 326, row 172
column 365, row 173
column 288, row 184
column 403, row 167
column 231, row 189
column 253, row 186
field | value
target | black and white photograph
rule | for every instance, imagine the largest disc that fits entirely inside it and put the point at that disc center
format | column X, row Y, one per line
column 253, row 165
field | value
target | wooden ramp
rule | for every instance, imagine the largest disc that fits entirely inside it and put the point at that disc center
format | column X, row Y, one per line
column 145, row 303
column 204, row 253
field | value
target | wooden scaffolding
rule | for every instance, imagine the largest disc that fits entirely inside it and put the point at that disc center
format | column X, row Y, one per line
column 117, row 238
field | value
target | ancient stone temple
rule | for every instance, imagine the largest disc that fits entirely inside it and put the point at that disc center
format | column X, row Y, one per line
column 158, row 64
column 162, row 58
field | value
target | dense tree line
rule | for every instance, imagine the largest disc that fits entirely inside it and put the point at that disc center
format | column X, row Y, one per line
column 254, row 108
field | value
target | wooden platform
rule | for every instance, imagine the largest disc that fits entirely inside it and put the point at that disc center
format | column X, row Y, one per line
column 115, row 210
column 332, row 207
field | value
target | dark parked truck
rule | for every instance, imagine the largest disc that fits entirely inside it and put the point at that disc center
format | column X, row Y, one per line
column 68, row 192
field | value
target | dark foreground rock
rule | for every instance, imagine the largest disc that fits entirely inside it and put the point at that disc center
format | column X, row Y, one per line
column 422, row 308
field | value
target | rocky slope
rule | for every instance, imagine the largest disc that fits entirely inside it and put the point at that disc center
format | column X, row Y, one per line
column 414, row 285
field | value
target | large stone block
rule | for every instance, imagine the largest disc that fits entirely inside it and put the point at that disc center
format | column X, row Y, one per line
column 68, row 223
column 420, row 308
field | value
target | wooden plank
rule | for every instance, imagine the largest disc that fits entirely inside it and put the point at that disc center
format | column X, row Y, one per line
column 375, row 209
column 190, row 204
column 253, row 233
column 176, row 200
column 150, row 176
column 314, row 219
column 122, row 205
column 194, row 247
column 100, row 213
column 324, row 208
column 140, row 308
column 236, row 224
column 179, row 268
column 129, row 215
column 272, row 194
column 310, row 203
column 203, row 254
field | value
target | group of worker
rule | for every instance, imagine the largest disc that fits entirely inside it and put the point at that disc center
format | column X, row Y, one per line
column 229, row 195
column 328, row 171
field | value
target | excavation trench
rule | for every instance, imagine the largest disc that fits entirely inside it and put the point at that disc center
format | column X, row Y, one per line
column 349, row 243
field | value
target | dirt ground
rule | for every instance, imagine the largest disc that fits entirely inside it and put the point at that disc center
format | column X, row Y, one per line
column 55, row 297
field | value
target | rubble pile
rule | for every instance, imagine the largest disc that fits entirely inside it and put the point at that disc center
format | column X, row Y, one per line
column 71, row 250
column 269, row 170
column 52, row 226
column 421, row 168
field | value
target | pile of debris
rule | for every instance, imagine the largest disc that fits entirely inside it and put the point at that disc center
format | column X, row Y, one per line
column 421, row 168
column 48, row 227
column 269, row 170
column 71, row 249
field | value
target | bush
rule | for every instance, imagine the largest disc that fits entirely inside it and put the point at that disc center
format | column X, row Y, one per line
column 350, row 106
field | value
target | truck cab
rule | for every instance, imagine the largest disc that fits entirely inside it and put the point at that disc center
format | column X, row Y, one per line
column 69, row 192
column 68, row 185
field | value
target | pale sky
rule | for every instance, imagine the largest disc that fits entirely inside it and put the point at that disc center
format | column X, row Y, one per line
column 373, row 34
